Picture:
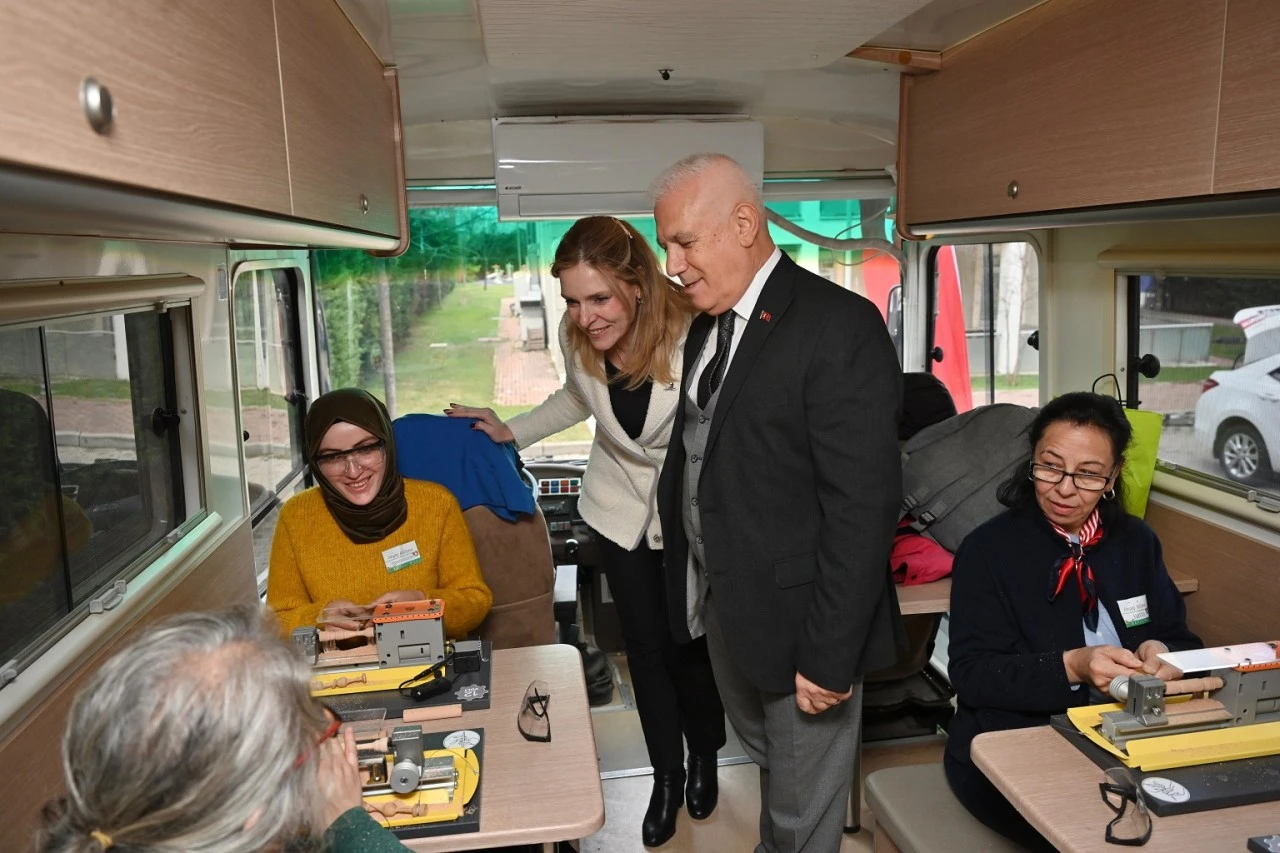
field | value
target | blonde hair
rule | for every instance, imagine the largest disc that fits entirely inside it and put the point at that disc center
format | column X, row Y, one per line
column 618, row 251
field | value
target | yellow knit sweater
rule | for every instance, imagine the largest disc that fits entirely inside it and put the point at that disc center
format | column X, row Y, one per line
column 313, row 562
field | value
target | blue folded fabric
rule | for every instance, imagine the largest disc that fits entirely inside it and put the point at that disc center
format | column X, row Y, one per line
column 465, row 461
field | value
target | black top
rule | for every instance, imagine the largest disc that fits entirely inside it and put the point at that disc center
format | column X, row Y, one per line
column 1007, row 638
column 629, row 407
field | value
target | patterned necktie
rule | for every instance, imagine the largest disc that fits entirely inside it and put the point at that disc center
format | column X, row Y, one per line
column 1077, row 564
column 714, row 371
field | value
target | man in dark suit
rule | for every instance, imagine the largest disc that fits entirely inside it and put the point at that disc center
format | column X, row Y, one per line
column 779, row 495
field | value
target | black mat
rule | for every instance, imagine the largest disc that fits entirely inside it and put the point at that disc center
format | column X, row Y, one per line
column 1182, row 790
column 471, row 689
column 469, row 821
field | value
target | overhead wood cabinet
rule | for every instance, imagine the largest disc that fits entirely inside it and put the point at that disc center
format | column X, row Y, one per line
column 179, row 98
column 1067, row 106
column 340, row 117
column 1248, row 153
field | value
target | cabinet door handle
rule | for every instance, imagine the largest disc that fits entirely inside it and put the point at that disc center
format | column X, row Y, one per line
column 99, row 108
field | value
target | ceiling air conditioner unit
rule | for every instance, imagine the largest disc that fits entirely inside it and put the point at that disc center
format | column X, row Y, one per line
column 554, row 168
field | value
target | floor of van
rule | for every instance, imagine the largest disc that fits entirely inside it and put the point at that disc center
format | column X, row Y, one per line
column 627, row 778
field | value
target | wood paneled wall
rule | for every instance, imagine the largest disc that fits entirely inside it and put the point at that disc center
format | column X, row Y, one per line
column 1239, row 595
column 31, row 756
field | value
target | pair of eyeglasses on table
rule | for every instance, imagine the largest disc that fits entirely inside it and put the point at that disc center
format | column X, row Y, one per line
column 1131, row 826
column 534, row 720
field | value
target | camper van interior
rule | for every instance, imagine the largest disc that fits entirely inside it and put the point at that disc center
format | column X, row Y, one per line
column 213, row 213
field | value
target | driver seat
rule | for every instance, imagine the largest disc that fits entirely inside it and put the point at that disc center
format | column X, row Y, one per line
column 506, row 525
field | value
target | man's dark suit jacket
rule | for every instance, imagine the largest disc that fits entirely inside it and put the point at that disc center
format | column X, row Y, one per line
column 800, row 489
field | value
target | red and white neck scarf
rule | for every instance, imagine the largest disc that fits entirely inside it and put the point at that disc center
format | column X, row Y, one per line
column 1077, row 563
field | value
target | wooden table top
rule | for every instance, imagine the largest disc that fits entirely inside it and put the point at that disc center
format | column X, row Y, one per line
column 531, row 792
column 1055, row 787
column 935, row 597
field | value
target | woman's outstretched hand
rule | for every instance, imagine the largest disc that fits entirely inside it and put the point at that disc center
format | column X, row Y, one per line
column 485, row 421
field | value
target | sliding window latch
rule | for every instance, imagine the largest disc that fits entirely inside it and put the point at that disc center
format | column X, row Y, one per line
column 1266, row 502
column 110, row 597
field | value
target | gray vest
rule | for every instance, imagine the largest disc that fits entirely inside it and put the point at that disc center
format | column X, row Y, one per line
column 697, row 427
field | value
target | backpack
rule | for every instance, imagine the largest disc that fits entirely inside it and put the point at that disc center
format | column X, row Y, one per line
column 952, row 469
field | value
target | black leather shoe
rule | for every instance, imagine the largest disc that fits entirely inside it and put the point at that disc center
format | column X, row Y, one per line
column 660, row 819
column 703, row 789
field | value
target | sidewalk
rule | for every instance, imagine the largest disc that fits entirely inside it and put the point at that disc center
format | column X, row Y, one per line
column 520, row 378
column 523, row 378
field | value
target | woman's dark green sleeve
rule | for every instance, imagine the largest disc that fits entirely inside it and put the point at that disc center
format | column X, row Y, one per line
column 356, row 832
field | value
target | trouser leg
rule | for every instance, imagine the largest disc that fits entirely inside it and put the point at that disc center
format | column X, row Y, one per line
column 805, row 759
column 636, row 581
column 745, row 710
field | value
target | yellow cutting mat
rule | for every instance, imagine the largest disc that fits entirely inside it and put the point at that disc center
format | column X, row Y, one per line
column 440, row 806
column 1161, row 752
column 376, row 679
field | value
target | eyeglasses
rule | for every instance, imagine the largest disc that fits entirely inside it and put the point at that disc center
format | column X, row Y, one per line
column 364, row 456
column 534, row 722
column 1085, row 481
column 330, row 731
column 1132, row 824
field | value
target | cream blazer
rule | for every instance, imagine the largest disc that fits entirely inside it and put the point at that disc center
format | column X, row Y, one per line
column 620, row 486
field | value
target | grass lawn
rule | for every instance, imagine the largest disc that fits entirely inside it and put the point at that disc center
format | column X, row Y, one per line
column 429, row 378
column 89, row 389
column 1227, row 342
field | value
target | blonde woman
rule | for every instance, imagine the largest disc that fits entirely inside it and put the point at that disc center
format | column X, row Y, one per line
column 622, row 338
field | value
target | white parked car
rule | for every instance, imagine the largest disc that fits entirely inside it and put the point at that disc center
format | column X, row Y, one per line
column 1238, row 419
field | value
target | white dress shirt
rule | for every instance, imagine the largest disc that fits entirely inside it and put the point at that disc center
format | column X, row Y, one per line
column 744, row 309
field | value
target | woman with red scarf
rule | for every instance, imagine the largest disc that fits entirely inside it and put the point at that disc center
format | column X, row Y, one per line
column 1053, row 598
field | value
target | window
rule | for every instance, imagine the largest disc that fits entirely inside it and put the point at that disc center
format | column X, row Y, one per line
column 475, row 312
column 269, row 370
column 985, row 310
column 92, row 479
column 838, row 209
column 1204, row 351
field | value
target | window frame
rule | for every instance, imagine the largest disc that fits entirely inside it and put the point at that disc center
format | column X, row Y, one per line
column 1129, row 323
column 922, row 271
column 299, row 273
column 186, row 482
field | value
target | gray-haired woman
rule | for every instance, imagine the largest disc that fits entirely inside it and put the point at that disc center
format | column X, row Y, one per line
column 201, row 736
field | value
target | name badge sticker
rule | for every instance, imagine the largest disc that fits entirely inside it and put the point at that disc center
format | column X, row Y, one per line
column 1134, row 611
column 401, row 557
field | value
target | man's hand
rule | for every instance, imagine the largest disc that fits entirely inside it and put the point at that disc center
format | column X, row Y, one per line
column 813, row 699
column 1097, row 665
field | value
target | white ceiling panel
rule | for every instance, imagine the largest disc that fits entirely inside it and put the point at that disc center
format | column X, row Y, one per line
column 784, row 64
column 946, row 23
column 691, row 37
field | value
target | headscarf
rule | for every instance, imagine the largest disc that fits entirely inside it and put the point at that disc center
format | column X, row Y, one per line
column 1077, row 564
column 379, row 518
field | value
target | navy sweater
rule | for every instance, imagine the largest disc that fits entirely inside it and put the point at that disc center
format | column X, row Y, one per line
column 1007, row 638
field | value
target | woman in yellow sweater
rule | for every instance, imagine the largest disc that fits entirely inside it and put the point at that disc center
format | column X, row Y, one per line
column 366, row 535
